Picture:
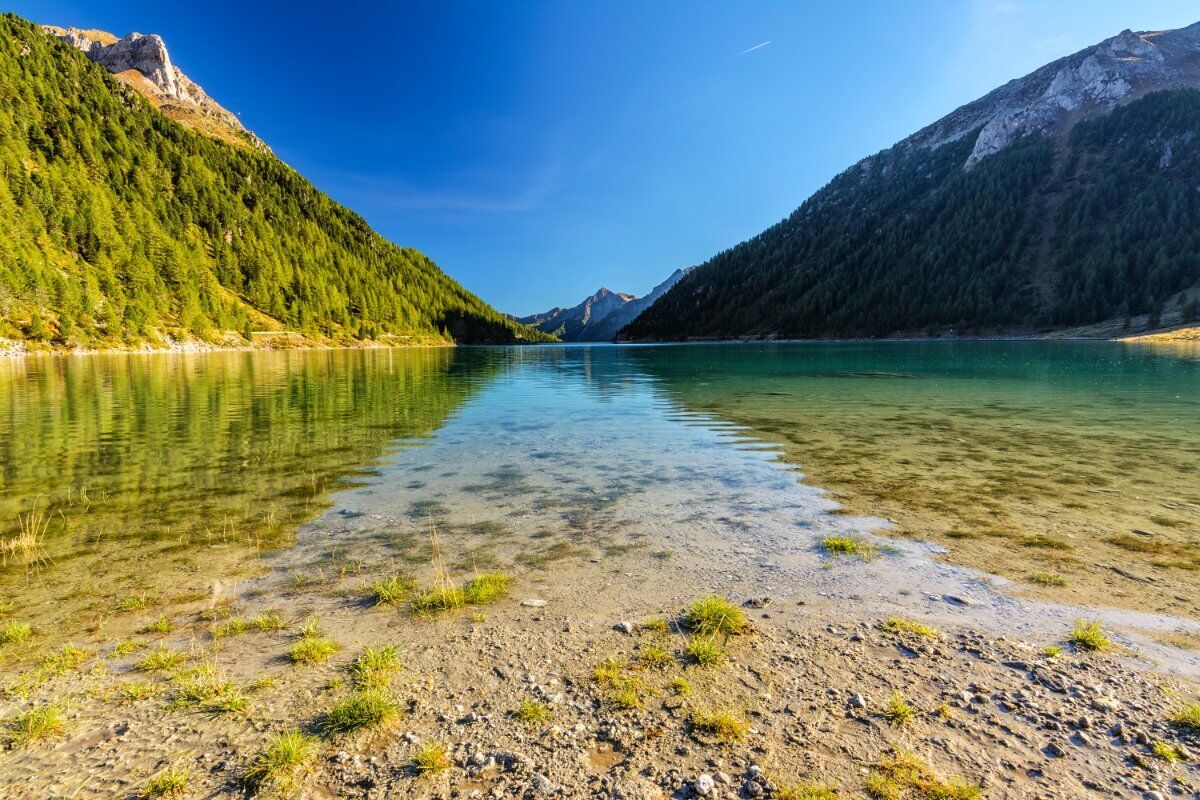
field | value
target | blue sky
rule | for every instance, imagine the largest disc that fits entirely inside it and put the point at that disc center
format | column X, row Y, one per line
column 539, row 150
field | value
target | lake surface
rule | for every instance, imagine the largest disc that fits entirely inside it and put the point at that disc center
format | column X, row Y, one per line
column 166, row 475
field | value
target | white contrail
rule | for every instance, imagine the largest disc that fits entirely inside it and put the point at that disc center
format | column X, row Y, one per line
column 751, row 49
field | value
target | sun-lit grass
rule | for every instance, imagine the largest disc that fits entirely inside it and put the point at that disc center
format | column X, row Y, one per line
column 703, row 651
column 713, row 616
column 376, row 667
column 170, row 782
column 804, row 791
column 392, row 590
column 848, row 546
column 1089, row 636
column 653, row 656
column 680, row 686
column 657, row 625
column 905, row 776
column 159, row 659
column 533, row 712
column 67, row 658
column 1052, row 651
column 283, row 763
column 723, row 724
column 898, row 711
column 431, row 759
column 160, row 625
column 312, row 650
column 15, row 632
column 369, row 708
column 1187, row 718
column 136, row 602
column 133, row 691
column 36, row 724
column 1046, row 579
column 446, row 596
column 1166, row 752
column 899, row 625
column 127, row 648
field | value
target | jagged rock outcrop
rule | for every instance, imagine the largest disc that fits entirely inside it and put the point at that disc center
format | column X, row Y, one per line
column 1051, row 98
column 600, row 317
column 143, row 62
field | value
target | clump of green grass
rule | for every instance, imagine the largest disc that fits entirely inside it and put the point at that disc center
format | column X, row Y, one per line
column 1089, row 636
column 283, row 763
column 905, row 775
column 703, row 651
column 624, row 688
column 1166, row 752
column 657, row 625
column 376, row 667
column 36, row 725
column 265, row 622
column 533, row 712
column 368, row 708
column 680, row 686
column 137, row 602
column 900, row 625
column 68, row 657
column 160, row 625
column 312, row 650
column 848, row 546
column 1046, row 579
column 159, row 659
column 1043, row 542
column 445, row 596
column 431, row 759
column 713, row 616
column 1052, row 651
column 804, row 791
column 898, row 711
column 392, row 590
column 127, row 647
column 725, row 725
column 1187, row 718
column 653, row 656
column 15, row 633
column 133, row 691
column 170, row 782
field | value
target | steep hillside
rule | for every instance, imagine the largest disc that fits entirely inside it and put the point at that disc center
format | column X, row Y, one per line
column 122, row 226
column 1063, row 198
column 600, row 317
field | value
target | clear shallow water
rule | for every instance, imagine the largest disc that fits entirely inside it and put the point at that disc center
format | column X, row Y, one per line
column 159, row 474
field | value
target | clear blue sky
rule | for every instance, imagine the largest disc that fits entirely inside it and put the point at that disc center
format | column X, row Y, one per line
column 539, row 150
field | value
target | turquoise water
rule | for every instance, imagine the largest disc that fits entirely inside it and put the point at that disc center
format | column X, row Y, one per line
column 141, row 471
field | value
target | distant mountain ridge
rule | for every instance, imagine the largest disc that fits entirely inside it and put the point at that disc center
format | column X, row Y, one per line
column 1060, row 199
column 599, row 317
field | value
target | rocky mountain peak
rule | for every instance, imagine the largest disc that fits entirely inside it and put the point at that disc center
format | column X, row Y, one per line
column 1052, row 98
column 143, row 62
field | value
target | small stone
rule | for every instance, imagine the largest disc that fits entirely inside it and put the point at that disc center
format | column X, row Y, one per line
column 533, row 603
column 1056, row 750
column 704, row 785
column 858, row 701
column 625, row 626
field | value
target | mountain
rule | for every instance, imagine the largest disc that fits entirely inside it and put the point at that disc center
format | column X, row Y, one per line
column 1062, row 198
column 123, row 226
column 143, row 63
column 600, row 317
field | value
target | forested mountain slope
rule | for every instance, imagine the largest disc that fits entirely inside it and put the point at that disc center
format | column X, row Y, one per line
column 122, row 226
column 1082, row 204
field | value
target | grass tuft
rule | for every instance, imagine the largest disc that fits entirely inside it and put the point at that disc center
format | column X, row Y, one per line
column 170, row 782
column 804, row 791
column 68, row 657
column 392, row 590
column 1046, row 579
column 712, row 616
column 312, row 650
column 703, row 652
column 376, row 667
column 431, row 759
column 15, row 633
column 1166, row 752
column 680, row 686
column 848, row 546
column 36, row 725
column 160, row 625
column 653, row 656
column 905, row 775
column 1187, row 718
column 159, row 659
column 725, row 725
column 533, row 712
column 1089, row 636
column 369, row 708
column 898, row 711
column 1052, row 651
column 899, row 625
column 285, row 760
column 446, row 596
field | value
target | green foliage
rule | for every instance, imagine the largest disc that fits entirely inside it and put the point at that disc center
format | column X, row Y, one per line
column 1089, row 636
column 283, row 763
column 369, row 708
column 122, row 225
column 714, row 615
column 1038, row 234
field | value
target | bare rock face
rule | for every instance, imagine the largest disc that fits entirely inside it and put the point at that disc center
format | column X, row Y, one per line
column 1053, row 97
column 142, row 61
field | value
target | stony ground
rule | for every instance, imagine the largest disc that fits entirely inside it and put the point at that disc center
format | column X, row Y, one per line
column 808, row 703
